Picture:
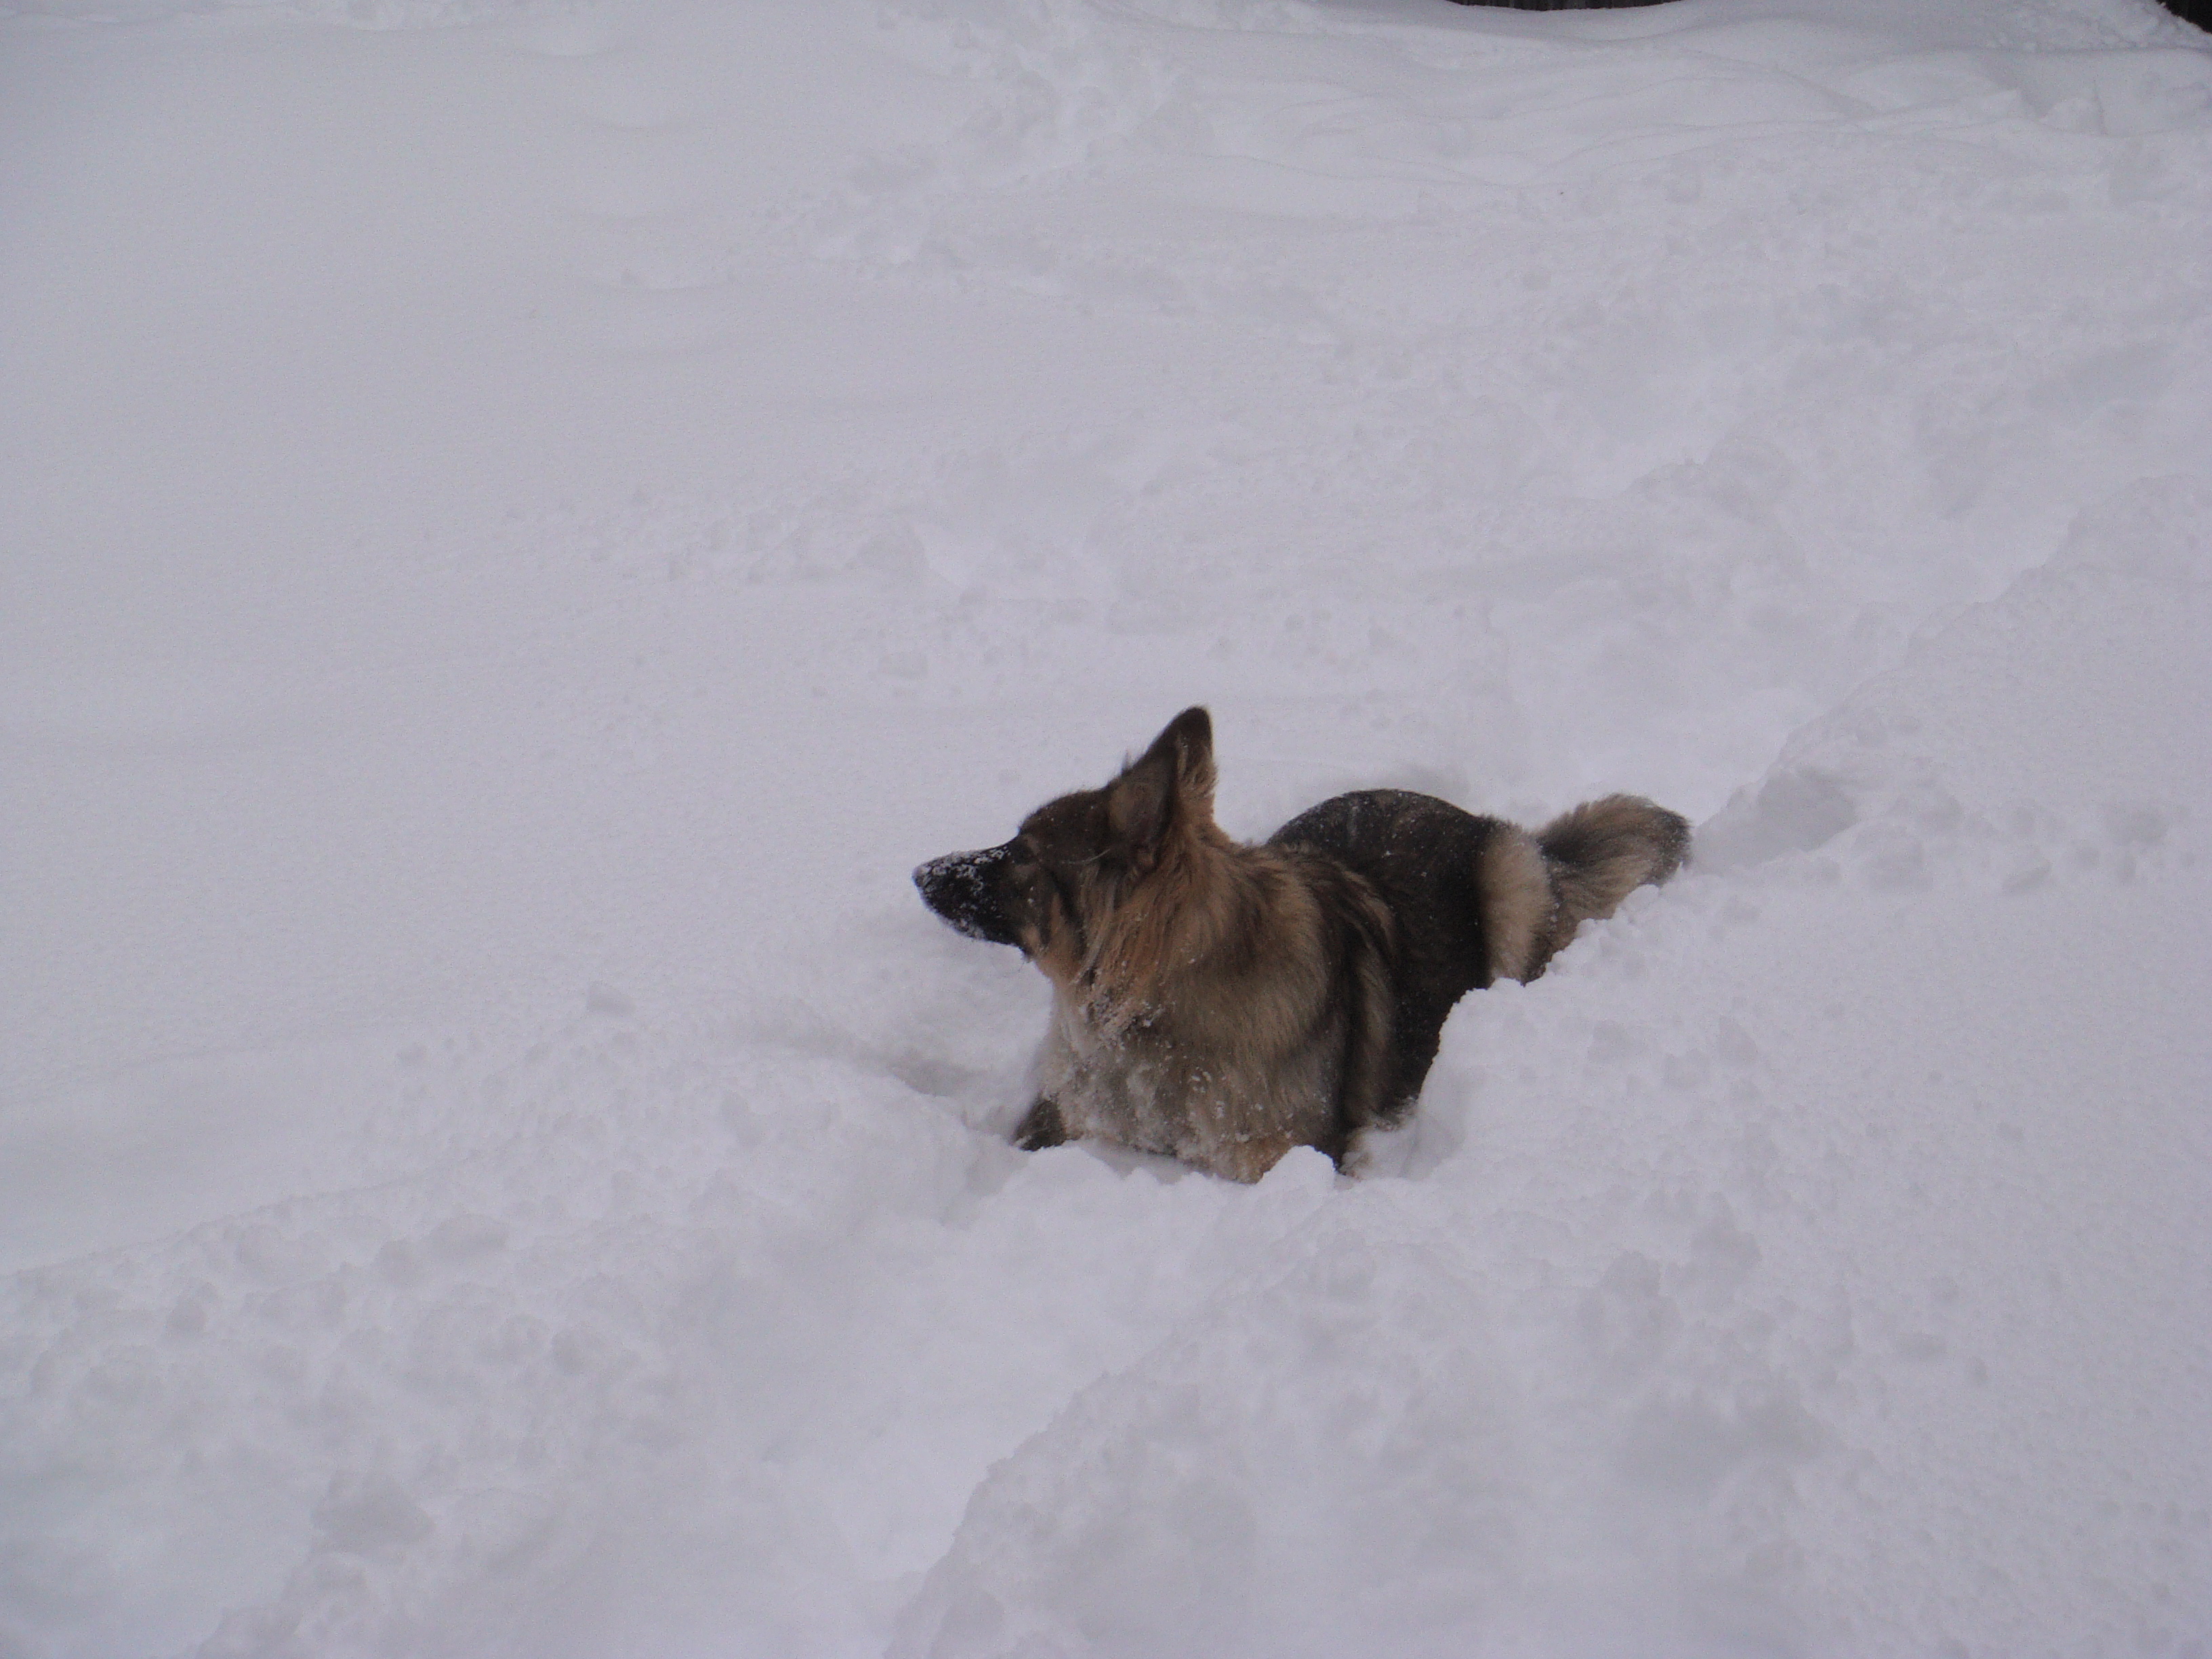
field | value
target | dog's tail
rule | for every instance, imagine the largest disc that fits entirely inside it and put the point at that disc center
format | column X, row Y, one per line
column 1604, row 850
column 1540, row 889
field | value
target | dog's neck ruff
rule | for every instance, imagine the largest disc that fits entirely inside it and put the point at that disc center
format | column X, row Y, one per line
column 1168, row 926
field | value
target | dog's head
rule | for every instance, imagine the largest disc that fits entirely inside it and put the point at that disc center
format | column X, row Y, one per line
column 1053, row 887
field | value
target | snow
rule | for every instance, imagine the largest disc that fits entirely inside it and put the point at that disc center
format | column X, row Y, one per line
column 525, row 521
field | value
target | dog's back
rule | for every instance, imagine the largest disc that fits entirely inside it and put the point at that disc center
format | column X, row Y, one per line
column 1476, row 900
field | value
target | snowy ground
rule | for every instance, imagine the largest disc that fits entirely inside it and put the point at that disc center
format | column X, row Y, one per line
column 523, row 522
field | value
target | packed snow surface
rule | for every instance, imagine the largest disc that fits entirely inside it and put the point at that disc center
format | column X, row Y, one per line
column 524, row 521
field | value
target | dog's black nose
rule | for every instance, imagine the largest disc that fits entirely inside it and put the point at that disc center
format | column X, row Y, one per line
column 963, row 888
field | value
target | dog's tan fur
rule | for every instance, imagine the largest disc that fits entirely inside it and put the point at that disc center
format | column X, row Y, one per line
column 1520, row 913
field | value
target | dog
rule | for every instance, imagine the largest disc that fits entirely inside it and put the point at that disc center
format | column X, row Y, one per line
column 1221, row 1003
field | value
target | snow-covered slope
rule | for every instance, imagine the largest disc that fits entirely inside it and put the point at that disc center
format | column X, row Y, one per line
column 525, row 521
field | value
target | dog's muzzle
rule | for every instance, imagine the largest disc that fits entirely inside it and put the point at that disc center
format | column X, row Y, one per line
column 965, row 889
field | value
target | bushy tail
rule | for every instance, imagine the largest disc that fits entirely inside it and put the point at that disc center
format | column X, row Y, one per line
column 1538, row 888
column 1600, row 853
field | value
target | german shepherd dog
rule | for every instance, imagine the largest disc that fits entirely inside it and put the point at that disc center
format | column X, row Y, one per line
column 1223, row 1003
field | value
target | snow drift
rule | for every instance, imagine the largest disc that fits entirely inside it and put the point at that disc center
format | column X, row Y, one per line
column 528, row 520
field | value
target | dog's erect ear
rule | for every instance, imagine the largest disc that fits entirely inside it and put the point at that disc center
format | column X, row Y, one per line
column 1191, row 736
column 1170, row 784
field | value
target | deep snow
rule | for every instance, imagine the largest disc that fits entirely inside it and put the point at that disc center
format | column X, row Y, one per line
column 523, row 522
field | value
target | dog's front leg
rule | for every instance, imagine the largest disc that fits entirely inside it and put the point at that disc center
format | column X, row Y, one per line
column 1042, row 1126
